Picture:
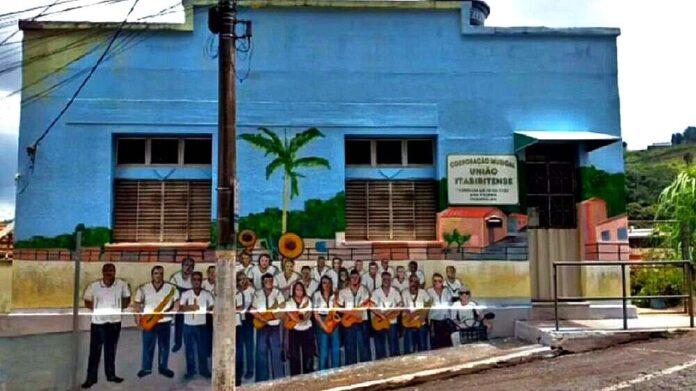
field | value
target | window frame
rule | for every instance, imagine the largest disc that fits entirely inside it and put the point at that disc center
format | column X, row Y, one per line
column 404, row 152
column 148, row 151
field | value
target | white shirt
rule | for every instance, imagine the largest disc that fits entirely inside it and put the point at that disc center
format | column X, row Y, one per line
column 318, row 274
column 150, row 298
column 245, row 297
column 305, row 304
column 261, row 302
column 464, row 314
column 205, row 301
column 255, row 274
column 238, row 297
column 310, row 287
column 419, row 273
column 348, row 300
column 416, row 301
column 389, row 270
column 441, row 304
column 210, row 287
column 390, row 299
column 241, row 268
column 320, row 305
column 361, row 272
column 285, row 284
column 180, row 281
column 106, row 300
column 370, row 283
column 400, row 286
column 333, row 275
column 454, row 287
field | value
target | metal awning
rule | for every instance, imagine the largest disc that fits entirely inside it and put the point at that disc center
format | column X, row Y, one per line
column 591, row 140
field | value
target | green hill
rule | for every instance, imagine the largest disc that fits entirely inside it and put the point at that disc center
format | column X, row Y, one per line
column 650, row 171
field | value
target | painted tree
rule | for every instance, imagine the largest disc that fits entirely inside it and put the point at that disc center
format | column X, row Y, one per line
column 285, row 153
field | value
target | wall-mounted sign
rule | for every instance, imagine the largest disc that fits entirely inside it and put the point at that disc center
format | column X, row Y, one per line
column 482, row 180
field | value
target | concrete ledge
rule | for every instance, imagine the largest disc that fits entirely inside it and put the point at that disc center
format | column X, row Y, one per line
column 429, row 366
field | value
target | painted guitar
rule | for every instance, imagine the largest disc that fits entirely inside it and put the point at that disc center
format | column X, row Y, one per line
column 150, row 320
column 355, row 316
column 267, row 315
column 292, row 319
column 333, row 319
column 415, row 319
column 379, row 323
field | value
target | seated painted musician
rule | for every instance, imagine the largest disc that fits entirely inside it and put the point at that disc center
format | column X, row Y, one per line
column 466, row 313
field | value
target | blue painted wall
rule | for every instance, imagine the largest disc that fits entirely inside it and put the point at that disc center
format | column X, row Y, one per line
column 349, row 72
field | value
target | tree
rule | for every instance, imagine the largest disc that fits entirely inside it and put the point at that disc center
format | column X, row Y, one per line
column 688, row 158
column 690, row 135
column 285, row 156
column 678, row 202
column 677, row 138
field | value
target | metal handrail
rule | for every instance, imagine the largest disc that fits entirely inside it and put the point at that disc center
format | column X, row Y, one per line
column 687, row 267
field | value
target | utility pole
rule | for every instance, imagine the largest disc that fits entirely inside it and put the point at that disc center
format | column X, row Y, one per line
column 223, row 21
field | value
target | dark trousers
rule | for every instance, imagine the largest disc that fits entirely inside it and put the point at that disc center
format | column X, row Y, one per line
column 247, row 330
column 381, row 337
column 357, row 340
column 441, row 334
column 196, row 341
column 178, row 329
column 159, row 335
column 239, row 356
column 103, row 335
column 209, row 331
column 301, row 351
column 268, row 343
column 415, row 340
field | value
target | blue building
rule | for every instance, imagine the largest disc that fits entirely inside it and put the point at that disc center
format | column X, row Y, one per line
column 426, row 115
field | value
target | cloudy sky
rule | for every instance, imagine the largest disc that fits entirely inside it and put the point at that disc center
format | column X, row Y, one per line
column 657, row 63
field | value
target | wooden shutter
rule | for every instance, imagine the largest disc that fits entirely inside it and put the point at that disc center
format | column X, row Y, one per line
column 391, row 210
column 162, row 211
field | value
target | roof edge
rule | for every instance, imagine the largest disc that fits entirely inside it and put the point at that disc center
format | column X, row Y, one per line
column 548, row 31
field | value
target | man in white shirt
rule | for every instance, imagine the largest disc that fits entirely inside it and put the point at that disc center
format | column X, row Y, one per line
column 196, row 303
column 209, row 285
column 452, row 282
column 385, row 298
column 164, row 297
column 357, row 338
column 106, row 299
column 311, row 285
column 332, row 273
column 372, row 279
column 416, row 300
column 440, row 313
column 244, row 263
column 245, row 295
column 321, row 269
column 182, row 281
column 413, row 269
column 258, row 271
column 287, row 278
column 400, row 282
column 384, row 267
column 358, row 265
column 268, row 337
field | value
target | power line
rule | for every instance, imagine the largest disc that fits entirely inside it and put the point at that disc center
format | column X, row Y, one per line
column 9, row 14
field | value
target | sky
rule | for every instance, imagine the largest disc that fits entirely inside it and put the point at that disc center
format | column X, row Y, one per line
column 657, row 63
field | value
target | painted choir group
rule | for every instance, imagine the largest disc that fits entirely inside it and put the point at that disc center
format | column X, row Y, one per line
column 284, row 316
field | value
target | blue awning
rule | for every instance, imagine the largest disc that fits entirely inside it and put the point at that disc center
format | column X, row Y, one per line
column 591, row 140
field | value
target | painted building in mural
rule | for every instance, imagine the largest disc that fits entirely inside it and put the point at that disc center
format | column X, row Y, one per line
column 372, row 123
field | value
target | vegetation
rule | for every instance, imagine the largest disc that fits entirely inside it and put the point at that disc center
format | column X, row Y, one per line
column 656, row 281
column 678, row 202
column 455, row 237
column 91, row 237
column 609, row 187
column 285, row 156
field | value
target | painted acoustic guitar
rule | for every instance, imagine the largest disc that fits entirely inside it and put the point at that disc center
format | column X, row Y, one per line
column 267, row 315
column 149, row 321
column 333, row 319
column 379, row 324
column 355, row 316
column 290, row 323
column 417, row 318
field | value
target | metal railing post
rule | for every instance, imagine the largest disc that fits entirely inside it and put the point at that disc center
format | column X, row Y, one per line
column 555, row 294
column 623, row 297
column 689, row 286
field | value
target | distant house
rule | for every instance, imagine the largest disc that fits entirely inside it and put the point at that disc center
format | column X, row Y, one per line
column 603, row 238
column 6, row 240
column 659, row 146
column 486, row 225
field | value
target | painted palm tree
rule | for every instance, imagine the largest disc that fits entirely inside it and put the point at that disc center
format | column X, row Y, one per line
column 285, row 156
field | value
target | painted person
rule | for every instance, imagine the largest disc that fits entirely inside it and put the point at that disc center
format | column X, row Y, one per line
column 357, row 339
column 239, row 338
column 311, row 285
column 372, row 280
column 439, row 313
column 323, row 301
column 321, row 269
column 106, row 298
column 413, row 269
column 358, row 265
column 285, row 280
column 196, row 303
column 258, row 271
column 452, row 283
column 209, row 285
column 415, row 299
column 268, row 298
column 343, row 278
column 401, row 283
column 244, row 263
column 466, row 313
column 384, row 267
column 301, row 336
column 384, row 299
column 156, row 293
column 336, row 265
column 182, row 281
column 245, row 294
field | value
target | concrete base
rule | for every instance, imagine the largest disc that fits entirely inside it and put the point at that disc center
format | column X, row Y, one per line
column 581, row 310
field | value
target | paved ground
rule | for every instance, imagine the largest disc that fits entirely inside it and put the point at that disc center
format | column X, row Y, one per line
column 665, row 364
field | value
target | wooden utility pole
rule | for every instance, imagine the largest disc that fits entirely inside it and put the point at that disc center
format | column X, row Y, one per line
column 223, row 21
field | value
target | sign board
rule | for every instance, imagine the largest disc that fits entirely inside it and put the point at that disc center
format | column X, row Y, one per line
column 482, row 180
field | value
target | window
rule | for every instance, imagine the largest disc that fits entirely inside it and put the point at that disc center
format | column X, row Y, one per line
column 622, row 234
column 551, row 184
column 390, row 152
column 169, row 151
column 162, row 211
column 606, row 236
column 131, row 151
column 391, row 210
